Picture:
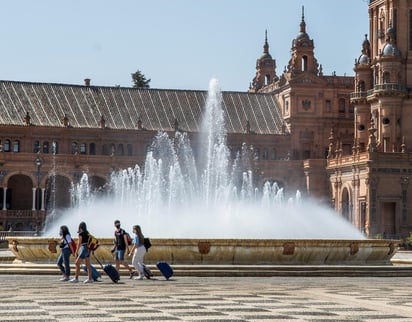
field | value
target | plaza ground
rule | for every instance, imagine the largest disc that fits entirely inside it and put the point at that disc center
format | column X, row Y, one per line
column 45, row 298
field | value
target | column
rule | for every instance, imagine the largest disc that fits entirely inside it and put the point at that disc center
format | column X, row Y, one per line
column 34, row 199
column 4, row 198
column 43, row 191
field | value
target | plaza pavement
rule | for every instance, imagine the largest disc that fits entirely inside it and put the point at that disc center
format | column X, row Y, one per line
column 294, row 297
column 45, row 298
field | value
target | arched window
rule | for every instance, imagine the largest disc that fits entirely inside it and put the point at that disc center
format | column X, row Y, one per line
column 16, row 146
column 267, row 79
column 112, row 149
column 74, row 147
column 46, row 147
column 386, row 78
column 7, row 145
column 92, row 148
column 83, row 148
column 304, row 63
column 129, row 149
column 257, row 154
column 273, row 154
column 36, row 146
column 55, row 147
column 120, row 149
column 362, row 86
column 265, row 154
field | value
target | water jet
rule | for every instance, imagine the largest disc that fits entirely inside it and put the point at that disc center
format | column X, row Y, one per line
column 201, row 207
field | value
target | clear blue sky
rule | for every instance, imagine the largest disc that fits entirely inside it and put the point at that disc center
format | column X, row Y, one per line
column 179, row 44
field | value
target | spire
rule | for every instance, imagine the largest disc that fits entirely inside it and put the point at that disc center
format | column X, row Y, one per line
column 266, row 45
column 303, row 24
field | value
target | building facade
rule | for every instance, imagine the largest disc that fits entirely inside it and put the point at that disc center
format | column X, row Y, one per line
column 343, row 140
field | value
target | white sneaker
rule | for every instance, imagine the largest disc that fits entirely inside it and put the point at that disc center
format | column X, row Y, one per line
column 88, row 281
column 74, row 280
column 140, row 277
column 64, row 279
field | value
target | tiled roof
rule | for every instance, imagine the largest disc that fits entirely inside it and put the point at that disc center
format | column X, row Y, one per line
column 122, row 107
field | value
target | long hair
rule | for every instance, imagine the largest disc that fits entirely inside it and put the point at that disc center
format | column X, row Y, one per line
column 82, row 227
column 138, row 232
column 64, row 230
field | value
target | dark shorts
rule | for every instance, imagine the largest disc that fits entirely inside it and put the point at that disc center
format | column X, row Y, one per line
column 119, row 254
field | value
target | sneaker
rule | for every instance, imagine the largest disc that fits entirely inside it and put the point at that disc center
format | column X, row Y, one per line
column 74, row 280
column 132, row 274
column 64, row 279
column 88, row 281
column 140, row 277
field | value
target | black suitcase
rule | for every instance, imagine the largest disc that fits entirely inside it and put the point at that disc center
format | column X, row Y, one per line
column 147, row 272
column 110, row 271
column 165, row 269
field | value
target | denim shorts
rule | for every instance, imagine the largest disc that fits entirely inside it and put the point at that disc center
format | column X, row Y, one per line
column 119, row 254
column 84, row 252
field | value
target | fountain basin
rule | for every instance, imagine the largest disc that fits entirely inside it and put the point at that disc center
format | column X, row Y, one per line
column 229, row 251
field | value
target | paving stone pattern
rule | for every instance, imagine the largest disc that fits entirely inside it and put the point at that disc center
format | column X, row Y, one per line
column 44, row 298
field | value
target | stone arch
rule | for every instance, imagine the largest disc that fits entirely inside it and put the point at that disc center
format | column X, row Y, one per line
column 19, row 194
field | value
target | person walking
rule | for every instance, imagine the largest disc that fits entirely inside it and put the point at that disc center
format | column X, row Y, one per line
column 120, row 247
column 63, row 261
column 138, row 250
column 82, row 254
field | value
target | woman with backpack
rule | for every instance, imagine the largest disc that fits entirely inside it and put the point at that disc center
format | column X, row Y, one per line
column 82, row 254
column 138, row 250
column 63, row 262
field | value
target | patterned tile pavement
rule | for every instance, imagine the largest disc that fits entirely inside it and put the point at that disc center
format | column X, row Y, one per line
column 45, row 298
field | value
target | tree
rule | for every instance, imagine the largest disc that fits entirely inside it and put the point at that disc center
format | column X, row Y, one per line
column 139, row 80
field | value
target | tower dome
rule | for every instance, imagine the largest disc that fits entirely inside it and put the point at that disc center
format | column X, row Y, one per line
column 364, row 58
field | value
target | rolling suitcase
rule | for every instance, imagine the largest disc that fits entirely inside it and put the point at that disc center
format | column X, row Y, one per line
column 110, row 271
column 147, row 272
column 165, row 269
column 95, row 273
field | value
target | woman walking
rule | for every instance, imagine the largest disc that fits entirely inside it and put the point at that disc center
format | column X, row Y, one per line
column 63, row 262
column 138, row 250
column 82, row 254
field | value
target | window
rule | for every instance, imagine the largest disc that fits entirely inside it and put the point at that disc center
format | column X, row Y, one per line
column 7, row 145
column 46, row 147
column 386, row 78
column 83, row 148
column 342, row 107
column 257, row 154
column 304, row 63
column 92, row 149
column 273, row 154
column 16, row 146
column 54, row 147
column 328, row 106
column 129, row 149
column 267, row 79
column 74, row 147
column 120, row 149
column 36, row 146
column 265, row 154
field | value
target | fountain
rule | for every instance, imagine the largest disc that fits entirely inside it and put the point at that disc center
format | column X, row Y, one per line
column 198, row 206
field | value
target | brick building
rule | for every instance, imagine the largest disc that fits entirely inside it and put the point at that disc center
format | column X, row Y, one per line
column 343, row 140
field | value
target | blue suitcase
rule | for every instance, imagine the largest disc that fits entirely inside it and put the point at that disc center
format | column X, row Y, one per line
column 110, row 271
column 165, row 269
column 95, row 273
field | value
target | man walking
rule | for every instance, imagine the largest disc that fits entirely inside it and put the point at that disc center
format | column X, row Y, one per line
column 120, row 247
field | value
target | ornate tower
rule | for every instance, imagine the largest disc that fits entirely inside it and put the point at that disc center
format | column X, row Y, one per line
column 303, row 59
column 265, row 69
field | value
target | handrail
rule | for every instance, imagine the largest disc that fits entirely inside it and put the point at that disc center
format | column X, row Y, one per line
column 22, row 233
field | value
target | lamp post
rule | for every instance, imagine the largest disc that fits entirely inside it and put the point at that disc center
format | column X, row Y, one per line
column 38, row 164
